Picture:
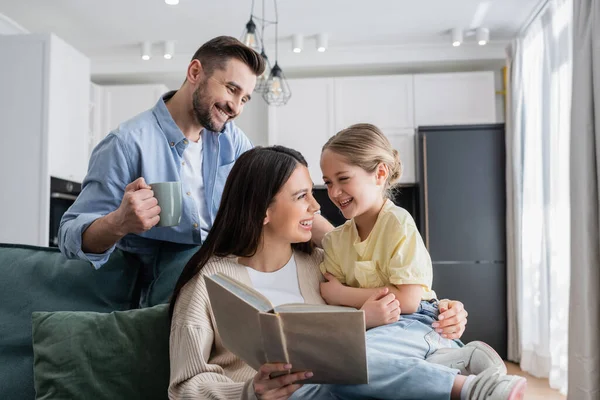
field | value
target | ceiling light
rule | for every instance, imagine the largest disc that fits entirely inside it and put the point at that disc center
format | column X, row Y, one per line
column 483, row 36
column 278, row 91
column 172, row 2
column 146, row 51
column 250, row 37
column 457, row 37
column 297, row 43
column 169, row 49
column 322, row 40
column 261, row 81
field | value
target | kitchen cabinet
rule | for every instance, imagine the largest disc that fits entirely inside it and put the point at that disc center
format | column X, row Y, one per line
column 455, row 98
column 397, row 104
column 306, row 121
column 111, row 105
column 404, row 140
column 384, row 101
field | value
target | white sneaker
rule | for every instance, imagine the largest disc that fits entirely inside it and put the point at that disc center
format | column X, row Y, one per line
column 491, row 385
column 472, row 359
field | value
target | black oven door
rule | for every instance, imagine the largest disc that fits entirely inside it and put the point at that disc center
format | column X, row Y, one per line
column 62, row 195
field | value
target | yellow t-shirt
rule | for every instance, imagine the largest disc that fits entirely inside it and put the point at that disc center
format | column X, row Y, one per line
column 393, row 253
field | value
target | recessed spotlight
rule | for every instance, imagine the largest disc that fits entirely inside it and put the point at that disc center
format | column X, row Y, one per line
column 169, row 49
column 322, row 40
column 457, row 37
column 172, row 2
column 297, row 43
column 483, row 36
column 146, row 51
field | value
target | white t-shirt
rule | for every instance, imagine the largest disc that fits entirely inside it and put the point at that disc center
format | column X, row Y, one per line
column 193, row 184
column 280, row 287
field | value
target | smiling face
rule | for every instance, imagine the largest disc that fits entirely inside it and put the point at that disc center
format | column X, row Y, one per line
column 221, row 97
column 353, row 190
column 290, row 215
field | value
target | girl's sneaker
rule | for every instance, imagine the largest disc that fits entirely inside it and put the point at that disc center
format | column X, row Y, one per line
column 471, row 359
column 492, row 385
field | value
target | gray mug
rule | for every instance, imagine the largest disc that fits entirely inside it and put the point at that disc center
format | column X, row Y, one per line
column 169, row 199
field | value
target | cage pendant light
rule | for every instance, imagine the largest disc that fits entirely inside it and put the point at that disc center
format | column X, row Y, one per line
column 261, row 81
column 277, row 91
column 250, row 36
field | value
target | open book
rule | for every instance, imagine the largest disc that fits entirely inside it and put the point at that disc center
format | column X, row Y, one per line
column 327, row 340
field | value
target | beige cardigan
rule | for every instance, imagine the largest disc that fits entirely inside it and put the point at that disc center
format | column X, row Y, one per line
column 201, row 368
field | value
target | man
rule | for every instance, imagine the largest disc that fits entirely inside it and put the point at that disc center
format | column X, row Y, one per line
column 189, row 136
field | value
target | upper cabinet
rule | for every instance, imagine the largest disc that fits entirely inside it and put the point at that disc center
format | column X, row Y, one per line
column 385, row 101
column 397, row 104
column 306, row 121
column 455, row 98
column 112, row 105
column 124, row 102
column 68, row 110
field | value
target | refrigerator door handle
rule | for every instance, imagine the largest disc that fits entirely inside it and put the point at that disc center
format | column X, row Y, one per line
column 468, row 262
column 425, row 192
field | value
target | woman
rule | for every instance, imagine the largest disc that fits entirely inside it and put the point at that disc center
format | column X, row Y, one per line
column 261, row 235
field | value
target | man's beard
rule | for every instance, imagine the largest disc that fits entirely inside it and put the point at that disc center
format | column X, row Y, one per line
column 202, row 110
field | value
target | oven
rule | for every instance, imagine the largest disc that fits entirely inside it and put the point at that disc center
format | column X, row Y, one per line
column 62, row 195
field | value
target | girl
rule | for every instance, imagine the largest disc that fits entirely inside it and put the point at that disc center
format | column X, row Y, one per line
column 380, row 247
column 261, row 237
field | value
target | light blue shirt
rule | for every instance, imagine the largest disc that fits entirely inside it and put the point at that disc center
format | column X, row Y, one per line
column 151, row 146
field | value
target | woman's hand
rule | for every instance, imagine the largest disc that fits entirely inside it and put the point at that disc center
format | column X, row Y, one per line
column 381, row 308
column 452, row 319
column 280, row 388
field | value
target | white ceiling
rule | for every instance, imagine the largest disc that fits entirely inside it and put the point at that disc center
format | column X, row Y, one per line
column 361, row 32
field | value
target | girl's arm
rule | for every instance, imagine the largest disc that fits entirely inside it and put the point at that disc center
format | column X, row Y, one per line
column 336, row 293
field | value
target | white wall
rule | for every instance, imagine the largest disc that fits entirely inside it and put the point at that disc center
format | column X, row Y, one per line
column 254, row 121
column 10, row 27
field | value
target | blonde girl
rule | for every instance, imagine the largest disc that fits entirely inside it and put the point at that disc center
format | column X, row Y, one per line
column 377, row 261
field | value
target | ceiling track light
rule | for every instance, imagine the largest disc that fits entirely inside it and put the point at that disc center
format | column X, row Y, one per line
column 322, row 41
column 457, row 37
column 297, row 41
column 483, row 36
column 146, row 52
column 169, row 50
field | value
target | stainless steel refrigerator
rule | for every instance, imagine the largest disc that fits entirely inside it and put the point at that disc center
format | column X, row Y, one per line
column 463, row 222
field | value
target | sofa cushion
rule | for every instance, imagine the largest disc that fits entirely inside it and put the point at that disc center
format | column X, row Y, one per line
column 41, row 279
column 118, row 355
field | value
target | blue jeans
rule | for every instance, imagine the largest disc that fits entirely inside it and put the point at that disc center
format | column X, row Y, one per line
column 396, row 360
column 158, row 271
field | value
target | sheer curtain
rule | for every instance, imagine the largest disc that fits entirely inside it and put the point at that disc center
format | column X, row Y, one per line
column 538, row 190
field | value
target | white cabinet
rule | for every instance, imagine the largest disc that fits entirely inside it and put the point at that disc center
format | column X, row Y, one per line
column 397, row 104
column 126, row 101
column 384, row 101
column 68, row 112
column 45, row 87
column 455, row 98
column 110, row 105
column 306, row 121
column 404, row 140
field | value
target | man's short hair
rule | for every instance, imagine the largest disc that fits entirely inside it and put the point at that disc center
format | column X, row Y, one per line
column 215, row 54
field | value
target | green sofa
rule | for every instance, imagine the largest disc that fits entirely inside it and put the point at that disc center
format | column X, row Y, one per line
column 34, row 279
